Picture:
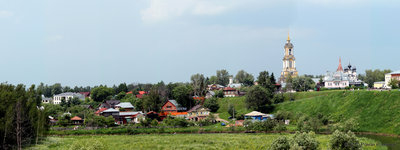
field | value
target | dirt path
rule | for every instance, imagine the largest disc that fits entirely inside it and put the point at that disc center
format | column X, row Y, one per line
column 219, row 119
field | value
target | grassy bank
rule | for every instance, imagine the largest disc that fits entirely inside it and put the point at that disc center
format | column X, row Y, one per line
column 178, row 141
column 375, row 111
column 237, row 102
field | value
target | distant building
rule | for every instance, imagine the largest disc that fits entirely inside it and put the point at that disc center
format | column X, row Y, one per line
column 46, row 100
column 391, row 76
column 289, row 62
column 234, row 85
column 67, row 96
column 198, row 113
column 379, row 85
column 230, row 92
column 342, row 78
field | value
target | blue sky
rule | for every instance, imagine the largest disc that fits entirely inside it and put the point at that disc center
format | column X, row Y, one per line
column 96, row 42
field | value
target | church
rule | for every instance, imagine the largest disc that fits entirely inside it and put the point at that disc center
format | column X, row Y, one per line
column 289, row 62
column 342, row 78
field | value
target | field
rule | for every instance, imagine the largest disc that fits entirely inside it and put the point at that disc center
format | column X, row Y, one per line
column 375, row 111
column 176, row 141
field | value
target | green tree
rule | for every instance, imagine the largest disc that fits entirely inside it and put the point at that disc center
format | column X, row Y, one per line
column 222, row 77
column 394, row 83
column 120, row 95
column 121, row 88
column 183, row 95
column 152, row 101
column 343, row 141
column 302, row 83
column 199, row 84
column 245, row 78
column 75, row 101
column 372, row 76
column 231, row 110
column 258, row 98
column 213, row 80
column 212, row 104
column 101, row 93
column 266, row 81
column 56, row 89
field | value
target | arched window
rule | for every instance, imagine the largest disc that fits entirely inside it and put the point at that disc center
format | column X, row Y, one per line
column 290, row 51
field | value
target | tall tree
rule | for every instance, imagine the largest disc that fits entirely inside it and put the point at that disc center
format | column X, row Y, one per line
column 302, row 83
column 213, row 80
column 223, row 77
column 245, row 78
column 99, row 94
column 121, row 88
column 56, row 89
column 152, row 101
column 183, row 95
column 258, row 98
column 198, row 83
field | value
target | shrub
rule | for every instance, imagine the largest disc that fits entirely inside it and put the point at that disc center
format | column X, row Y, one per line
column 304, row 141
column 303, row 124
column 212, row 104
column 350, row 125
column 283, row 115
column 281, row 143
column 343, row 141
column 278, row 98
column 280, row 127
column 267, row 125
column 176, row 122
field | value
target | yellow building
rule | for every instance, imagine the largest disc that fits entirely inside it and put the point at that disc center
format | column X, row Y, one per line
column 379, row 85
column 289, row 62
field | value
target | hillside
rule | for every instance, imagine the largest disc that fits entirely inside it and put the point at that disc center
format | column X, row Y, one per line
column 375, row 111
column 237, row 102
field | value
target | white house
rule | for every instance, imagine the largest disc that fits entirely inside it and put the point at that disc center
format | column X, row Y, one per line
column 66, row 96
column 389, row 76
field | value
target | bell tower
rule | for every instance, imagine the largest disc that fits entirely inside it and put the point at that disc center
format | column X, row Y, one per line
column 289, row 62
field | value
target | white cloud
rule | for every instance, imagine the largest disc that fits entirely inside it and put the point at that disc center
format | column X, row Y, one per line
column 54, row 38
column 6, row 14
column 160, row 10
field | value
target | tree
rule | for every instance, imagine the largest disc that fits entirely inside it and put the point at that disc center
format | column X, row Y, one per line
column 245, row 78
column 343, row 141
column 258, row 97
column 231, row 110
column 56, row 89
column 99, row 94
column 120, row 95
column 212, row 104
column 152, row 101
column 394, row 83
column 222, row 77
column 372, row 76
column 75, row 101
column 266, row 81
column 302, row 83
column 199, row 84
column 121, row 88
column 183, row 95
column 213, row 80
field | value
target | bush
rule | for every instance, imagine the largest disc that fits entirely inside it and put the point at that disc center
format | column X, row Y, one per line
column 280, row 127
column 350, row 125
column 278, row 98
column 281, row 143
column 212, row 104
column 176, row 122
column 304, row 141
column 267, row 125
column 343, row 141
column 283, row 115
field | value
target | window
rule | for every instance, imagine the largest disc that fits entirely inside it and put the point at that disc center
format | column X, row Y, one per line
column 290, row 51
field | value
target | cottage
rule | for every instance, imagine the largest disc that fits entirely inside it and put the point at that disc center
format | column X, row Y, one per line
column 109, row 104
column 127, row 106
column 110, row 112
column 198, row 113
column 213, row 87
column 172, row 106
column 130, row 117
column 379, row 85
column 230, row 92
column 391, row 76
column 67, row 96
column 77, row 120
column 255, row 115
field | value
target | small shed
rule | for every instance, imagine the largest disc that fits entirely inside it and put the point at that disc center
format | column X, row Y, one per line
column 77, row 120
column 255, row 115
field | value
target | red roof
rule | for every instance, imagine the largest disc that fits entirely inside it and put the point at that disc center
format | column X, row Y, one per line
column 142, row 92
column 340, row 65
column 139, row 95
column 100, row 110
column 76, row 118
column 130, row 92
column 229, row 89
column 198, row 98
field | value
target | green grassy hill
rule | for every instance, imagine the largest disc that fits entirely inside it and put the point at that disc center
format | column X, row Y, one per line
column 237, row 102
column 374, row 111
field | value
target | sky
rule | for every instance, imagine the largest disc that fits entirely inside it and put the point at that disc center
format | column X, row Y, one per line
column 93, row 42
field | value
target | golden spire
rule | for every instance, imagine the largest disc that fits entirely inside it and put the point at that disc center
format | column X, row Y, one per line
column 288, row 38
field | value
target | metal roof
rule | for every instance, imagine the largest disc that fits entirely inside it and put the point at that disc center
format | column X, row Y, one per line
column 125, row 105
column 110, row 110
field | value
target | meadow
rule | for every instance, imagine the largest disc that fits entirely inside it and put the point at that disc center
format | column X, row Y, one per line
column 177, row 141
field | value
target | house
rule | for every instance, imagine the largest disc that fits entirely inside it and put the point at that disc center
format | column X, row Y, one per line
column 255, row 115
column 213, row 87
column 210, row 94
column 98, row 112
column 125, row 105
column 86, row 94
column 391, row 76
column 67, row 96
column 109, row 104
column 110, row 112
column 46, row 100
column 379, row 85
column 130, row 117
column 230, row 92
column 172, row 106
column 234, row 85
column 198, row 113
column 77, row 120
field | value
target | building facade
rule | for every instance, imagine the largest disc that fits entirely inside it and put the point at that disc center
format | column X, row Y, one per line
column 342, row 78
column 289, row 62
column 391, row 76
column 67, row 96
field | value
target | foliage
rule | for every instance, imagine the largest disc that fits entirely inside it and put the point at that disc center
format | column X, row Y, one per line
column 152, row 101
column 278, row 98
column 199, row 84
column 266, row 81
column 222, row 77
column 245, row 78
column 121, row 88
column 22, row 119
column 212, row 104
column 372, row 76
column 302, row 83
column 343, row 141
column 120, row 95
column 219, row 94
column 304, row 140
column 394, row 83
column 267, row 125
column 281, row 143
column 64, row 120
column 258, row 97
column 183, row 95
column 231, row 110
column 176, row 122
column 99, row 94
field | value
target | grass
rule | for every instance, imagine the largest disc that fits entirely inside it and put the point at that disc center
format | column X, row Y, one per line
column 177, row 141
column 375, row 111
column 237, row 102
